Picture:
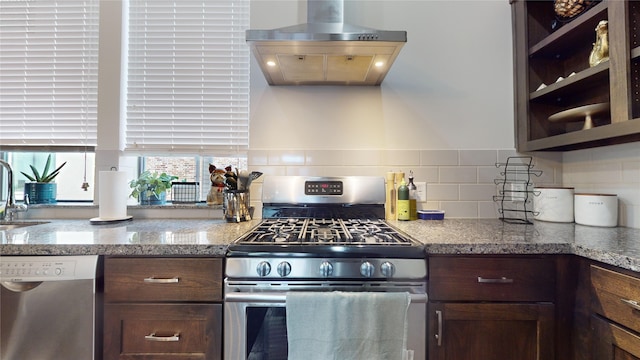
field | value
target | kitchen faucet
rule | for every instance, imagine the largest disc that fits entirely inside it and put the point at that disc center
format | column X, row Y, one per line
column 10, row 207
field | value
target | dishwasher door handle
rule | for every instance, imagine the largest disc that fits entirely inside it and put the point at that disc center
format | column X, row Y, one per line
column 20, row 286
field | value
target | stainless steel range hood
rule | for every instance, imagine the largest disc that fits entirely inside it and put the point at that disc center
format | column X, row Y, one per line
column 325, row 50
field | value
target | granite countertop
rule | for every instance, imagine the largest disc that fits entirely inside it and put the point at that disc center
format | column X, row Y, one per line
column 134, row 237
column 616, row 246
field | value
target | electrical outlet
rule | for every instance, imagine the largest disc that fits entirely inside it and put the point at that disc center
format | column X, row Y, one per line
column 518, row 192
column 421, row 192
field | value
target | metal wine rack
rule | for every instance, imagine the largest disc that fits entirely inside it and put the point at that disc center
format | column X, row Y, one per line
column 515, row 189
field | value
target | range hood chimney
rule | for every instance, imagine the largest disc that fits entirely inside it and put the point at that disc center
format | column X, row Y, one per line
column 325, row 50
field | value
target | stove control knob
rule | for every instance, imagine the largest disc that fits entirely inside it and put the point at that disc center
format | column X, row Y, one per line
column 326, row 269
column 387, row 269
column 367, row 269
column 263, row 268
column 284, row 269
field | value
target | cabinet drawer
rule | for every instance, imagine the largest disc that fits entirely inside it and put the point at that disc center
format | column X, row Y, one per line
column 616, row 297
column 162, row 279
column 491, row 279
column 163, row 331
column 613, row 342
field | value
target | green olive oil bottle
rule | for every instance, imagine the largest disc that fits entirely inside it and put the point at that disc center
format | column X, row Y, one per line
column 403, row 205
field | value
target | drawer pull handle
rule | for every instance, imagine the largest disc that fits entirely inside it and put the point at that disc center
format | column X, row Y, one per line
column 154, row 337
column 502, row 280
column 438, row 334
column 154, row 280
column 633, row 304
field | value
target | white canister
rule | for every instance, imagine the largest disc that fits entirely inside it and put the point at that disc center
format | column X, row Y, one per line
column 553, row 204
column 596, row 209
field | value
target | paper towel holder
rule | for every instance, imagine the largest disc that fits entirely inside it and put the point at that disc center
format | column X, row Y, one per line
column 121, row 210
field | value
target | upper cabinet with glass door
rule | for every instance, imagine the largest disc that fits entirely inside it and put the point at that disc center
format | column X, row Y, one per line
column 568, row 94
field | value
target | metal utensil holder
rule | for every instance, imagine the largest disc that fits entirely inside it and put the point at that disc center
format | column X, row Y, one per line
column 235, row 205
column 514, row 189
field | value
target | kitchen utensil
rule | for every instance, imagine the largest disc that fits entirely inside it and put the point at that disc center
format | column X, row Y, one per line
column 230, row 179
column 252, row 176
column 243, row 179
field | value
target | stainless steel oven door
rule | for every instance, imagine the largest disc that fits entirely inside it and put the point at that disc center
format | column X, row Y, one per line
column 255, row 325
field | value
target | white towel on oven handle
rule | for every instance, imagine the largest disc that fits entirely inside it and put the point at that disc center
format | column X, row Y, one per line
column 347, row 325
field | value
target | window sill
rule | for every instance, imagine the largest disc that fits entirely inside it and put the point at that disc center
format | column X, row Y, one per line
column 79, row 210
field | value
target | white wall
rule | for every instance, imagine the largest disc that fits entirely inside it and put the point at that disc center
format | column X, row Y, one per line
column 450, row 87
column 445, row 111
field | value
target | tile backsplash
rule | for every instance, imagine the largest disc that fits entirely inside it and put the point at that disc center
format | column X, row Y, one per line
column 609, row 170
column 460, row 182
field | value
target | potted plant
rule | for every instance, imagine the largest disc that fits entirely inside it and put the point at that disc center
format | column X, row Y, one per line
column 151, row 188
column 42, row 189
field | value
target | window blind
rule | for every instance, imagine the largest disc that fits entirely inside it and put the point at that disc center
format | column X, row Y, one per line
column 188, row 77
column 48, row 72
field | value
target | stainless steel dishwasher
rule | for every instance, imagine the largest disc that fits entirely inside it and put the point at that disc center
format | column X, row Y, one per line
column 48, row 307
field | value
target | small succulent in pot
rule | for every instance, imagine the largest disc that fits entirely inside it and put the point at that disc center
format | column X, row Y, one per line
column 149, row 184
column 42, row 189
column 45, row 176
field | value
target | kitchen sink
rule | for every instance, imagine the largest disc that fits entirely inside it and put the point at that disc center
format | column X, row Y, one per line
column 10, row 225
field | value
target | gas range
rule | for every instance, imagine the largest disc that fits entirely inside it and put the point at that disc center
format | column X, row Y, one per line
column 296, row 239
column 317, row 235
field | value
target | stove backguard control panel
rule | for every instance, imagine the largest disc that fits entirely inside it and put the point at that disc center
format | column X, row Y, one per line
column 323, row 188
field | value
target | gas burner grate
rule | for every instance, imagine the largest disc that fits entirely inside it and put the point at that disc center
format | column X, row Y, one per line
column 324, row 234
column 324, row 231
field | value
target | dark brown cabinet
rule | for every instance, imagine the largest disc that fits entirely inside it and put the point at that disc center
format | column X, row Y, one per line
column 612, row 342
column 615, row 320
column 162, row 308
column 558, row 57
column 491, row 331
column 163, row 331
column 491, row 308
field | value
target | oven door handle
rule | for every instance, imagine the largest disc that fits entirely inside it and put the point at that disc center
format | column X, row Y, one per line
column 281, row 297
